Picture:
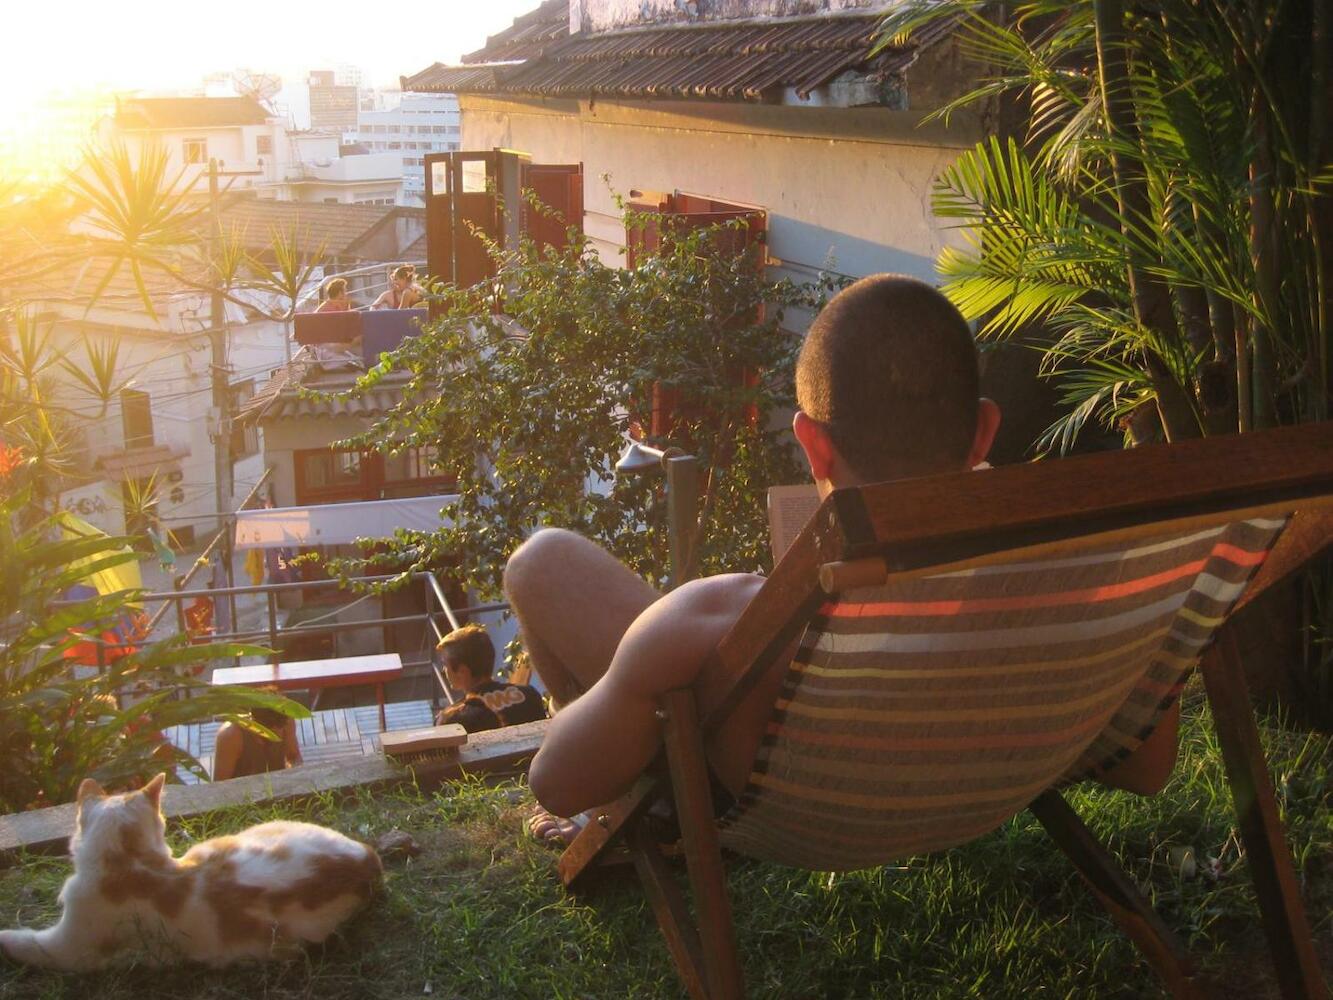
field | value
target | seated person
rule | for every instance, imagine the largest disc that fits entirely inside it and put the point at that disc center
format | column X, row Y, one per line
column 469, row 655
column 403, row 291
column 239, row 752
column 335, row 297
column 887, row 386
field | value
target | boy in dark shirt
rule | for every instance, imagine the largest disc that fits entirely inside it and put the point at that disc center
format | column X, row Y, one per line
column 469, row 655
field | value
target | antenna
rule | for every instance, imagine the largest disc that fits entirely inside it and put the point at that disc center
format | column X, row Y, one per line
column 263, row 87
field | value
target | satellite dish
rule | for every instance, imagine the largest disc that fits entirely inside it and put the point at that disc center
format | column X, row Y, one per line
column 263, row 87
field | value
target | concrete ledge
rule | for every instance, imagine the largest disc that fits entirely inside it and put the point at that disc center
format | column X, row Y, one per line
column 499, row 752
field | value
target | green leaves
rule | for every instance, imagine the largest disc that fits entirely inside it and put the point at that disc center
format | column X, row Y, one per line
column 61, row 722
column 138, row 214
column 1185, row 245
column 530, row 408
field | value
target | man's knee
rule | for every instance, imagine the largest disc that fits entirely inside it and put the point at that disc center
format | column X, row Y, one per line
column 530, row 565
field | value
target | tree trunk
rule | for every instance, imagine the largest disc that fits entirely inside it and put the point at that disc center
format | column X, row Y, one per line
column 1264, row 251
column 1150, row 296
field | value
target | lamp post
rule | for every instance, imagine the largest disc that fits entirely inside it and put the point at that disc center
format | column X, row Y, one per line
column 682, row 486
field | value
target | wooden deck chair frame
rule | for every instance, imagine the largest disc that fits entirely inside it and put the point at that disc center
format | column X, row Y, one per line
column 855, row 539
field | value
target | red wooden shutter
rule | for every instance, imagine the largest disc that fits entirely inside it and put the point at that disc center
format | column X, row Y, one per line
column 461, row 189
column 688, row 212
column 558, row 186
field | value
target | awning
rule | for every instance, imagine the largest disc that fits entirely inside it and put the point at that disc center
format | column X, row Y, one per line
column 338, row 523
column 140, row 463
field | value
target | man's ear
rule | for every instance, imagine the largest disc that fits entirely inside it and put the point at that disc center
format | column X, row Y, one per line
column 988, row 424
column 814, row 441
column 89, row 789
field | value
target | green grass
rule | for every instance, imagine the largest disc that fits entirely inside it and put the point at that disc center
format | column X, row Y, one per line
column 480, row 913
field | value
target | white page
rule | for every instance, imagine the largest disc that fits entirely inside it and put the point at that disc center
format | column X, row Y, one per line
column 789, row 508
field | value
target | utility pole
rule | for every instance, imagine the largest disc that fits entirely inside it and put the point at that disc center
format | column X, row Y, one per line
column 218, row 337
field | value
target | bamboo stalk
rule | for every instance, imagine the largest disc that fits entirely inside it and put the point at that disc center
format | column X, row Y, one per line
column 1151, row 297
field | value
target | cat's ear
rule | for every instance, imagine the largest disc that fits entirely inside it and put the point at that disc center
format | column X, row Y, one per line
column 153, row 791
column 89, row 789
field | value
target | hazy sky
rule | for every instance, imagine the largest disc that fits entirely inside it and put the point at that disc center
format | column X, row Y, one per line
column 153, row 44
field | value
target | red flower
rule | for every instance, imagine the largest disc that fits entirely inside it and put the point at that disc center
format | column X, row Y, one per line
column 10, row 459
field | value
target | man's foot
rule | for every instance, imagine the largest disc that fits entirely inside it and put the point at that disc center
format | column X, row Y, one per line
column 557, row 831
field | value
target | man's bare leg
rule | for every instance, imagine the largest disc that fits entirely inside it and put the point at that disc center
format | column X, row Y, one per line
column 574, row 603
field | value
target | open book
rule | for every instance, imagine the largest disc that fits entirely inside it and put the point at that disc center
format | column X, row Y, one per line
column 789, row 507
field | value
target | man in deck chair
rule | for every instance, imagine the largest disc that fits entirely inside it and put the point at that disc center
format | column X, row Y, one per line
column 887, row 388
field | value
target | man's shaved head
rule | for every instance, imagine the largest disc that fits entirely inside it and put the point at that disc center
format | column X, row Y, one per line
column 889, row 368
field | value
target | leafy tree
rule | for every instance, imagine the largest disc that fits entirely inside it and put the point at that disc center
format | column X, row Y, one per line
column 1162, row 227
column 527, row 386
column 1165, row 219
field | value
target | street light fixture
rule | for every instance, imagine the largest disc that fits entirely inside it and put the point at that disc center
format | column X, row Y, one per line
column 682, row 486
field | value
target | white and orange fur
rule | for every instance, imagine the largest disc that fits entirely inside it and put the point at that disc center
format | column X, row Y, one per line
column 259, row 894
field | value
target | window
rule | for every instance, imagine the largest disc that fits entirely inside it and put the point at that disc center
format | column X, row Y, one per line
column 327, row 476
column 264, row 145
column 330, row 201
column 395, row 145
column 409, row 464
column 196, row 150
column 244, row 437
column 136, row 416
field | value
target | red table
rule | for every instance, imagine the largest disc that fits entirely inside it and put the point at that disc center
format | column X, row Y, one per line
column 315, row 675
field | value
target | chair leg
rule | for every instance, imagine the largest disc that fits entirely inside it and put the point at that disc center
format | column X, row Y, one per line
column 1266, row 852
column 1119, row 896
column 673, row 915
column 589, row 847
column 703, row 852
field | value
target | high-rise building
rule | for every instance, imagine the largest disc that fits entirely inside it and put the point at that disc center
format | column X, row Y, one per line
column 332, row 104
column 418, row 124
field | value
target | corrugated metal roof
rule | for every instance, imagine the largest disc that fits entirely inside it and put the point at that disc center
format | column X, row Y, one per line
column 717, row 61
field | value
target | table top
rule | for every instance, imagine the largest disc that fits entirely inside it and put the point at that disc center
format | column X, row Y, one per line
column 337, row 672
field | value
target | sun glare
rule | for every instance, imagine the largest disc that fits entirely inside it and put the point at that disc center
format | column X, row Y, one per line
column 49, row 106
column 42, row 136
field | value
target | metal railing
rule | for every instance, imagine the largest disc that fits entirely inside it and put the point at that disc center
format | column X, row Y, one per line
column 439, row 617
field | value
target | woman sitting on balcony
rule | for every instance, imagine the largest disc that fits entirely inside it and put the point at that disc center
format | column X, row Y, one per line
column 403, row 291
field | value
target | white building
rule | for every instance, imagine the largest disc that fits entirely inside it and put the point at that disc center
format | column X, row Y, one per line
column 161, row 426
column 417, row 125
column 255, row 150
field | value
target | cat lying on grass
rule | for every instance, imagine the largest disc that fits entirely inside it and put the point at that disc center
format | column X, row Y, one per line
column 258, row 894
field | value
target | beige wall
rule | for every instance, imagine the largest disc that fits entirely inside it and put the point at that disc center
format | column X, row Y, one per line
column 283, row 437
column 846, row 186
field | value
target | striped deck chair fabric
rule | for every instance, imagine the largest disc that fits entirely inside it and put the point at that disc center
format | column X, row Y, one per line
column 921, row 714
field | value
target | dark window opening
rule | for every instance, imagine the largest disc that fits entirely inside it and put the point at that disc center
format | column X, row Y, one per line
column 136, row 415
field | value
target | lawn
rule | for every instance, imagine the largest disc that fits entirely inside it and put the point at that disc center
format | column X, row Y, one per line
column 479, row 913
